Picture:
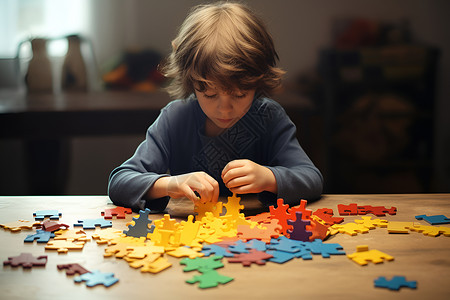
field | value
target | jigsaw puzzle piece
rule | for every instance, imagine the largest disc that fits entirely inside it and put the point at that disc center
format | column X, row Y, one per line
column 239, row 247
column 41, row 236
column 395, row 283
column 49, row 225
column 363, row 255
column 209, row 279
column 202, row 264
column 50, row 213
column 326, row 214
column 348, row 210
column 326, row 249
column 372, row 224
column 103, row 236
column 185, row 251
column 202, row 208
column 92, row 223
column 254, row 256
column 142, row 225
column 301, row 229
column 286, row 245
column 434, row 220
column 189, row 231
column 72, row 269
column 19, row 225
column 233, row 207
column 63, row 246
column 156, row 266
column 96, row 277
column 282, row 214
column 280, row 257
column 350, row 228
column 217, row 250
column 399, row 227
column 71, row 234
column 118, row 211
column 26, row 260
column 431, row 230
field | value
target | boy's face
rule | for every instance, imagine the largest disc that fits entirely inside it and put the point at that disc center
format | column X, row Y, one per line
column 222, row 108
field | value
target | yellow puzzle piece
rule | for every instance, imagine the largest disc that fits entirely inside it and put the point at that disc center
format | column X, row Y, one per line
column 363, row 255
column 399, row 227
column 19, row 225
column 431, row 230
column 372, row 224
column 350, row 228
column 63, row 246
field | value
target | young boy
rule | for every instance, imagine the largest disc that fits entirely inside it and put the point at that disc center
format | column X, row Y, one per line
column 225, row 135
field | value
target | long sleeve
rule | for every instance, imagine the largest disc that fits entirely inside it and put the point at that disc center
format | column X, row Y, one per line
column 129, row 182
column 297, row 177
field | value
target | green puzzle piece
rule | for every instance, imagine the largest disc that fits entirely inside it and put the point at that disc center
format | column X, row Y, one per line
column 202, row 264
column 209, row 279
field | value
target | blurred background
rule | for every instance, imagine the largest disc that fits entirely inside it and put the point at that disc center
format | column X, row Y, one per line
column 366, row 85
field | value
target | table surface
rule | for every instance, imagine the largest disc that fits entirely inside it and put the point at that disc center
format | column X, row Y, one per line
column 417, row 257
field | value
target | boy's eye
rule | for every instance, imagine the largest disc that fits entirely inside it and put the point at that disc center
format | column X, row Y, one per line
column 210, row 96
column 240, row 96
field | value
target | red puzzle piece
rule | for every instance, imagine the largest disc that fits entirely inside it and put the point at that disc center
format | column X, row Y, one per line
column 48, row 225
column 71, row 269
column 282, row 215
column 354, row 209
column 306, row 213
column 254, row 256
column 326, row 214
column 118, row 211
column 26, row 260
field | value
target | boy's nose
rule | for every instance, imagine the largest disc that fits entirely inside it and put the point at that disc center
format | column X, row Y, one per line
column 225, row 103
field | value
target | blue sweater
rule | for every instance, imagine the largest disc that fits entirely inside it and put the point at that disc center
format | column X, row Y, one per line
column 176, row 144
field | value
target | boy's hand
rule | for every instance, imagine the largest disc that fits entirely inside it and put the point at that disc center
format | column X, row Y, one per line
column 244, row 176
column 200, row 182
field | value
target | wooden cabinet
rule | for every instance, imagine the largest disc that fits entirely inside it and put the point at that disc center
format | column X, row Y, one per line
column 378, row 106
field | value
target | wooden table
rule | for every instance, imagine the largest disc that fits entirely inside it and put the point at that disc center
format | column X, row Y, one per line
column 418, row 257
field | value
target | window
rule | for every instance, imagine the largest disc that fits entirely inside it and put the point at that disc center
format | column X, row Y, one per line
column 21, row 20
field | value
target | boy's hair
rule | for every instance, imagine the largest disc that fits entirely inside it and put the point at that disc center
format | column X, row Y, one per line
column 225, row 44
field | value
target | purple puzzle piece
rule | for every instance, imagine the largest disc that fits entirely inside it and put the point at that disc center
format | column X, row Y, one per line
column 299, row 231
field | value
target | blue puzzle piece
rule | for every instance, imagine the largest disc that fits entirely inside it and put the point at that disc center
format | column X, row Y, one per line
column 96, row 277
column 217, row 250
column 286, row 245
column 91, row 223
column 41, row 236
column 49, row 213
column 280, row 257
column 395, row 283
column 434, row 220
column 239, row 247
column 256, row 244
column 140, row 227
column 317, row 247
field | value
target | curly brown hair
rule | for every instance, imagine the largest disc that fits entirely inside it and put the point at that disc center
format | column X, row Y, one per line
column 225, row 44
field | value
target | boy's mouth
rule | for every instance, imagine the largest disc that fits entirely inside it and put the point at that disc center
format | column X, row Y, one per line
column 225, row 121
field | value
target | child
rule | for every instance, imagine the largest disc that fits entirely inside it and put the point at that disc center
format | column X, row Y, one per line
column 225, row 135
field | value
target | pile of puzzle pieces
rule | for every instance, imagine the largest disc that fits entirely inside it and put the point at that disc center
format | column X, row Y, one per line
column 218, row 231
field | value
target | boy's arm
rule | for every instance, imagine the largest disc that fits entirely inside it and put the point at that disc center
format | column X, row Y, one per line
column 296, row 175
